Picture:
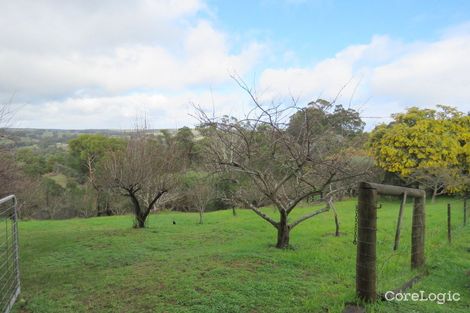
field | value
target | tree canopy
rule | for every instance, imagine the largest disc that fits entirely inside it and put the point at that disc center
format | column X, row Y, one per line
column 428, row 145
column 89, row 148
column 281, row 155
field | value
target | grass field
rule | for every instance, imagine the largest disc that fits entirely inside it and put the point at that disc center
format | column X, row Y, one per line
column 229, row 264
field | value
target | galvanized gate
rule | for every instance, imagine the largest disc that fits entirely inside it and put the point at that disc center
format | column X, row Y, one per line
column 9, row 265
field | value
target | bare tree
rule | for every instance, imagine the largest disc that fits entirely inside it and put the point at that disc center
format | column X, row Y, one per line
column 280, row 165
column 9, row 172
column 440, row 180
column 10, row 176
column 6, row 115
column 201, row 194
column 145, row 171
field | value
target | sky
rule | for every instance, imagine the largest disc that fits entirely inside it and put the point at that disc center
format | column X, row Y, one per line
column 84, row 64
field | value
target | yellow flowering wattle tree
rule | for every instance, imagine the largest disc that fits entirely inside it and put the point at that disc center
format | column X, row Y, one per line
column 431, row 147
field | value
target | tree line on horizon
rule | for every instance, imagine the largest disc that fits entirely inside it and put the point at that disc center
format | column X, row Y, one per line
column 277, row 155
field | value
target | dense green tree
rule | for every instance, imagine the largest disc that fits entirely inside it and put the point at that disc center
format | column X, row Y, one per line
column 326, row 116
column 429, row 146
column 185, row 143
column 32, row 162
column 89, row 150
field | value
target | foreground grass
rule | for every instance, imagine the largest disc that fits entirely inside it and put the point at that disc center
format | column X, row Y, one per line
column 229, row 264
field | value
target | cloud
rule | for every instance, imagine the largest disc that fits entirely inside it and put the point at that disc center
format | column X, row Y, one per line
column 54, row 49
column 108, row 112
column 121, row 111
column 60, row 26
column 98, row 64
column 384, row 76
column 340, row 75
column 428, row 74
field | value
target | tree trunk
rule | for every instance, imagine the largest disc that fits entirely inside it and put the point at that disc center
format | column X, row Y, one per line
column 337, row 224
column 102, row 204
column 283, row 232
column 200, row 217
column 434, row 193
column 234, row 212
column 331, row 206
column 107, row 208
column 140, row 216
column 139, row 221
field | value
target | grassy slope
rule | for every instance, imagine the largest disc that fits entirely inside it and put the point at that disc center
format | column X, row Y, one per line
column 59, row 179
column 227, row 264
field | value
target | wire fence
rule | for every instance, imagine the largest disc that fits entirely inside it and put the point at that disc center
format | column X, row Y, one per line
column 9, row 258
column 366, row 215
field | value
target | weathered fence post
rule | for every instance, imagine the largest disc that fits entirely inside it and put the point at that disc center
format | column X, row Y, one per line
column 366, row 244
column 465, row 211
column 366, row 271
column 400, row 220
column 449, row 223
column 417, row 233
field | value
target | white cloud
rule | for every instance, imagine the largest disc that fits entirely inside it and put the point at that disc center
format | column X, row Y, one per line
column 431, row 73
column 107, row 112
column 98, row 64
column 340, row 75
column 58, row 48
column 50, row 25
column 389, row 75
column 120, row 112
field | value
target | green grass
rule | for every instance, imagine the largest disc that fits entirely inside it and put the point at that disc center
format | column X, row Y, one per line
column 229, row 264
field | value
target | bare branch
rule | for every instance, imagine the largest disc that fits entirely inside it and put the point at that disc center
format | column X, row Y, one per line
column 264, row 216
column 307, row 216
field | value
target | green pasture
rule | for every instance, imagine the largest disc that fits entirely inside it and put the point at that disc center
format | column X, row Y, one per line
column 229, row 264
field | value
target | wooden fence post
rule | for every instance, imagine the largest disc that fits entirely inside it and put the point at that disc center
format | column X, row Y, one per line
column 449, row 223
column 366, row 244
column 366, row 259
column 417, row 233
column 465, row 211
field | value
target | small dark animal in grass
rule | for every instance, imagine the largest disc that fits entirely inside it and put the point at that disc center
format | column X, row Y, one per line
column 174, row 222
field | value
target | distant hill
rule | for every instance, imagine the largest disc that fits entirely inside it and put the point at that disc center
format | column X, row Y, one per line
column 58, row 138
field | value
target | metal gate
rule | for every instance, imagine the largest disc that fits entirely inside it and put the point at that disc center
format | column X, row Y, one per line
column 9, row 265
